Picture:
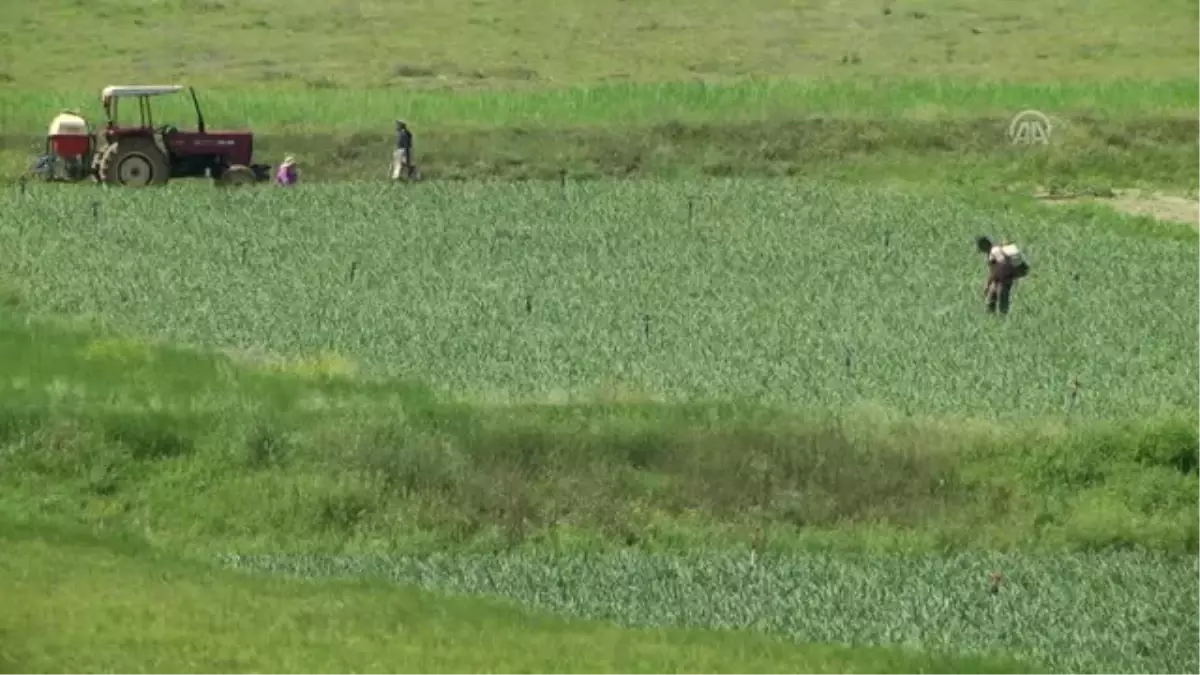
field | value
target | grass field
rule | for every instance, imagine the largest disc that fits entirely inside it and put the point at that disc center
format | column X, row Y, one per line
column 1123, row 133
column 719, row 396
column 359, row 44
column 888, row 599
column 862, row 90
column 276, row 467
column 172, row 615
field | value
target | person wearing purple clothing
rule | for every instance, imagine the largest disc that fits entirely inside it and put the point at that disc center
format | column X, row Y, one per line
column 288, row 174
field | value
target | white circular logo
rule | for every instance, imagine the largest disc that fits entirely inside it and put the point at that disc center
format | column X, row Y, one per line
column 1029, row 126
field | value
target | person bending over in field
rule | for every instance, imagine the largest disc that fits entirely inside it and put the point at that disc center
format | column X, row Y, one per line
column 1005, row 264
column 288, row 174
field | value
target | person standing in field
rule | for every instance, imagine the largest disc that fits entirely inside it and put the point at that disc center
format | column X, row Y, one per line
column 288, row 174
column 402, row 155
column 1005, row 264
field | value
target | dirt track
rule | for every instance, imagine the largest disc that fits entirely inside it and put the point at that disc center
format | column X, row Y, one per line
column 1164, row 207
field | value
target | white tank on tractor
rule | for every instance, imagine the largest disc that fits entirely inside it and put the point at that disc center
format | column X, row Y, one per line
column 69, row 147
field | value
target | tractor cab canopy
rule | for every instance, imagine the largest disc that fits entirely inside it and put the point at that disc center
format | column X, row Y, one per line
column 111, row 95
column 127, row 90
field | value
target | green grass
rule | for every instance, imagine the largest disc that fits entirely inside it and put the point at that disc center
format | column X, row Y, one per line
column 80, row 604
column 632, row 105
column 1109, row 134
column 536, row 43
column 478, row 387
column 925, row 90
column 1073, row 613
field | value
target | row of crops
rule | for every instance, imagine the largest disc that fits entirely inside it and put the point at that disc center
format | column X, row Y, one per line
column 757, row 290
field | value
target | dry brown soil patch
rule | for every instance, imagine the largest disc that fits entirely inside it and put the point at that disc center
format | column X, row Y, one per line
column 1170, row 208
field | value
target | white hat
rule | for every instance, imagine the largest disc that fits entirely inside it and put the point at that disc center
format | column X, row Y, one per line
column 289, row 160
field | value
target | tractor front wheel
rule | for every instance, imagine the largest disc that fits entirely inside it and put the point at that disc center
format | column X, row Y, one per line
column 133, row 162
column 237, row 175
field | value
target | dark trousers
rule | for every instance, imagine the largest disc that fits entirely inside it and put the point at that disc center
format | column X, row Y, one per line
column 1000, row 296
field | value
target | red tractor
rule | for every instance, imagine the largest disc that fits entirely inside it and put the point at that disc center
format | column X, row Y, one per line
column 144, row 155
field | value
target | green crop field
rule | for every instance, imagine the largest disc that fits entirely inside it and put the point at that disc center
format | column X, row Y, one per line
column 677, row 360
column 934, row 601
column 59, row 592
column 812, row 295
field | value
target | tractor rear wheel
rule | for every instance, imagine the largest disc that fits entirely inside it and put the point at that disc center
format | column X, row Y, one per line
column 237, row 174
column 133, row 162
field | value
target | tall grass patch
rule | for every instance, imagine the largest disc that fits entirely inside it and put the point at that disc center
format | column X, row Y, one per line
column 275, row 110
column 195, row 450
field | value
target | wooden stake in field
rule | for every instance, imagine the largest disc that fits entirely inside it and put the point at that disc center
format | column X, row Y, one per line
column 994, row 581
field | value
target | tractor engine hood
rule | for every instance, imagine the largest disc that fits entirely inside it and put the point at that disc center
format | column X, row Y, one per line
column 236, row 146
